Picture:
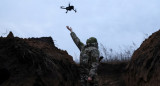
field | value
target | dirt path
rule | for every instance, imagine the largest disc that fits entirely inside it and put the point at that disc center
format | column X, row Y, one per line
column 111, row 74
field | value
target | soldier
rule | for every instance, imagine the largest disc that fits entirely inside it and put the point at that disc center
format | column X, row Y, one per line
column 89, row 59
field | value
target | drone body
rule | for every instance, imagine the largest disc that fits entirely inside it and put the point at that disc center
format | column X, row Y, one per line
column 69, row 8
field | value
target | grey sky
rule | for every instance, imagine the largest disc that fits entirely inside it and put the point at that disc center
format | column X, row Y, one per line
column 114, row 23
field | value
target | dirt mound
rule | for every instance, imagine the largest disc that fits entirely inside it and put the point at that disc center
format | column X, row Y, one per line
column 143, row 70
column 35, row 62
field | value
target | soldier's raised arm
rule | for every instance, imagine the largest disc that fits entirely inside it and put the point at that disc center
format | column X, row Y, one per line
column 75, row 38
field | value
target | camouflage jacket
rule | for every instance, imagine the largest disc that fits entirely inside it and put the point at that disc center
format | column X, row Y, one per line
column 89, row 56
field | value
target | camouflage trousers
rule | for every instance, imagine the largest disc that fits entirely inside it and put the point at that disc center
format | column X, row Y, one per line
column 84, row 80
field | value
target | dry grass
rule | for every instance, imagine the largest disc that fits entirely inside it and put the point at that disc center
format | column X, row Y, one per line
column 112, row 56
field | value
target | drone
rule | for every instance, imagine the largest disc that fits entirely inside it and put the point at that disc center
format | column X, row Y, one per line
column 69, row 8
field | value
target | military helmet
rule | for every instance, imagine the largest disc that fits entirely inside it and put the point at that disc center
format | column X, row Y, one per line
column 91, row 40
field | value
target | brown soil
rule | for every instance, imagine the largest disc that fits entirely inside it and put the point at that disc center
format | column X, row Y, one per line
column 35, row 62
column 144, row 68
column 112, row 74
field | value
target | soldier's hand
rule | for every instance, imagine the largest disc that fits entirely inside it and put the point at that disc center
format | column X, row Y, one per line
column 89, row 79
column 69, row 28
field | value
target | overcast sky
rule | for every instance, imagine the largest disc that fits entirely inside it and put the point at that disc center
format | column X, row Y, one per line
column 115, row 23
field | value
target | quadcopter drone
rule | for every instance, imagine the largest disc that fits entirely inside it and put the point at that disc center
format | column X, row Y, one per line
column 69, row 8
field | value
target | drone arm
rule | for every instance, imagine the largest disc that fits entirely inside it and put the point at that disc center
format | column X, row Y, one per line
column 62, row 7
column 69, row 4
column 67, row 11
column 75, row 10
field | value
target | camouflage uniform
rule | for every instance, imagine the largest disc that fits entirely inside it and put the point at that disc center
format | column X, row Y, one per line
column 89, row 61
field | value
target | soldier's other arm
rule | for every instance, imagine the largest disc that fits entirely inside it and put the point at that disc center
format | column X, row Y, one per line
column 95, row 63
column 75, row 38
